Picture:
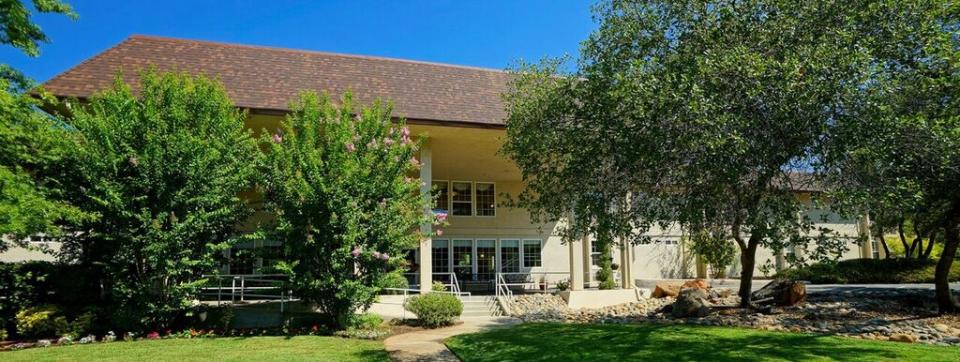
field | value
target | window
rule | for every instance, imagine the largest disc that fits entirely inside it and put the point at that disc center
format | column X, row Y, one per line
column 462, row 198
column 441, row 257
column 243, row 261
column 486, row 259
column 442, row 191
column 595, row 254
column 875, row 246
column 509, row 256
column 486, row 199
column 531, row 253
column 463, row 259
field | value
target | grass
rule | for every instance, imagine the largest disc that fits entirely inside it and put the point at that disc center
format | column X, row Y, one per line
column 642, row 342
column 869, row 271
column 303, row 348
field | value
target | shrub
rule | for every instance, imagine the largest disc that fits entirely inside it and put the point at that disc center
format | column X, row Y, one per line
column 163, row 169
column 394, row 280
column 435, row 309
column 563, row 285
column 40, row 322
column 438, row 287
column 366, row 321
column 337, row 178
column 84, row 324
column 867, row 271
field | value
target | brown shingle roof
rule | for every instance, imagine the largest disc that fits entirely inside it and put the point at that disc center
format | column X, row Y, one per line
column 264, row 78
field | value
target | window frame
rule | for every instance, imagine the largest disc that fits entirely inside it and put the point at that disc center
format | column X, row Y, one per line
column 523, row 253
column 449, row 204
column 473, row 198
column 476, row 201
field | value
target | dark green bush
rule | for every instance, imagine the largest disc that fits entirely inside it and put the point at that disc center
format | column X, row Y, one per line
column 435, row 309
column 41, row 322
column 394, row 280
column 869, row 271
column 73, row 288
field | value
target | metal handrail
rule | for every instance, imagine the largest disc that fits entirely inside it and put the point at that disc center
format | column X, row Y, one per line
column 243, row 291
column 502, row 279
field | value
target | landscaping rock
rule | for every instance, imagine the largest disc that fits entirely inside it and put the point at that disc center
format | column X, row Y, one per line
column 691, row 303
column 906, row 338
column 696, row 284
column 781, row 292
column 664, row 290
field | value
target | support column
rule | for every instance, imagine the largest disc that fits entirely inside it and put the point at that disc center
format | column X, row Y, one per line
column 626, row 276
column 585, row 244
column 426, row 245
column 866, row 237
column 576, row 265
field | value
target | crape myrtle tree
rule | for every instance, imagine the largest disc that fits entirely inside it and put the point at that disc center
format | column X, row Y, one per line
column 162, row 170
column 898, row 152
column 342, row 183
column 689, row 113
column 30, row 140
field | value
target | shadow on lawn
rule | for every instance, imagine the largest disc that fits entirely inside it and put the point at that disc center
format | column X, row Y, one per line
column 577, row 342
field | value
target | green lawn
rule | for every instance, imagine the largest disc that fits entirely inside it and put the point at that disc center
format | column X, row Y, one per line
column 645, row 342
column 304, row 348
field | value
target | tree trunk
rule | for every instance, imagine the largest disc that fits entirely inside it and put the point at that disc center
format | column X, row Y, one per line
column 879, row 235
column 926, row 253
column 941, row 279
column 903, row 239
column 748, row 260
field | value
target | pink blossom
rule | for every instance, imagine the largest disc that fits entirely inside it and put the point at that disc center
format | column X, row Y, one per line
column 441, row 216
column 405, row 140
column 385, row 256
column 372, row 144
column 277, row 138
column 423, row 184
column 153, row 335
column 439, row 232
column 355, row 252
column 376, row 255
column 351, row 147
column 405, row 131
column 414, row 162
column 388, row 141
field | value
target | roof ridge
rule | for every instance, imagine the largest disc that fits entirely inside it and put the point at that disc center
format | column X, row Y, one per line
column 306, row 51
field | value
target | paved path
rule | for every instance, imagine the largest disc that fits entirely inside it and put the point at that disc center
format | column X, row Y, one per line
column 427, row 345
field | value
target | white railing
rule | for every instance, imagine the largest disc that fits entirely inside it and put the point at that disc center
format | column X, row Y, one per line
column 501, row 288
column 527, row 281
column 453, row 284
column 245, row 287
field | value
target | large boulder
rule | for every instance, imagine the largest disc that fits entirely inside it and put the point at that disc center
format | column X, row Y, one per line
column 697, row 284
column 780, row 292
column 664, row 290
column 692, row 302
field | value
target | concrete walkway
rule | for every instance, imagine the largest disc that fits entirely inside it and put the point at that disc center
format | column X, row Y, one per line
column 427, row 345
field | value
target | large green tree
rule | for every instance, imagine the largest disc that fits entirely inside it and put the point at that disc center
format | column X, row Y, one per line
column 700, row 113
column 30, row 140
column 897, row 152
column 163, row 171
column 341, row 182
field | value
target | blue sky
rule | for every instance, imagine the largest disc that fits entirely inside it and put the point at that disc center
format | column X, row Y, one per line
column 489, row 33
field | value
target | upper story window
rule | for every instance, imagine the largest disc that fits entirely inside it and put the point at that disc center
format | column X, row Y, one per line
column 462, row 196
column 442, row 190
column 486, row 199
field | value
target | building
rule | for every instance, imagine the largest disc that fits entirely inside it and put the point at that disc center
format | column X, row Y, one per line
column 461, row 111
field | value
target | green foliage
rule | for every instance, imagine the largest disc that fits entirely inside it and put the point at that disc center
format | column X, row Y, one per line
column 163, row 171
column 435, row 309
column 365, row 321
column 24, row 285
column 338, row 180
column 869, row 271
column 394, row 280
column 716, row 251
column 438, row 286
column 18, row 29
column 83, row 325
column 29, row 140
column 41, row 322
column 681, row 112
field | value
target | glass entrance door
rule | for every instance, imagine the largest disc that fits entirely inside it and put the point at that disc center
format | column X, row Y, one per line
column 463, row 259
column 486, row 259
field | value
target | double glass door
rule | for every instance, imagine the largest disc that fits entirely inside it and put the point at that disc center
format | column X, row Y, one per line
column 475, row 260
